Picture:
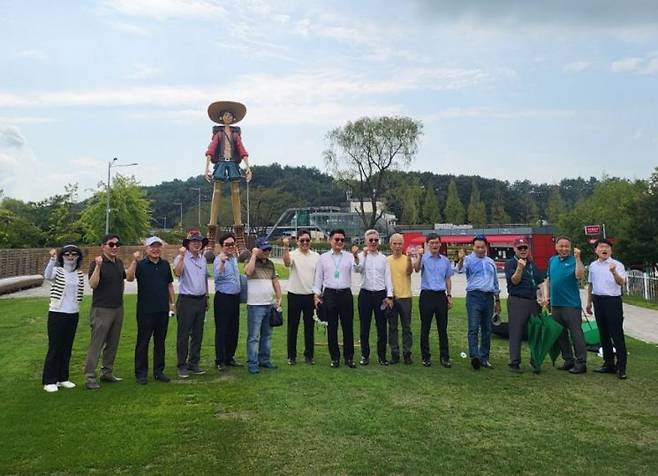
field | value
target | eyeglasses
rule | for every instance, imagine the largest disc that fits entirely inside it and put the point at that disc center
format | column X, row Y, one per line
column 70, row 253
column 522, row 248
column 304, row 241
column 229, row 245
column 113, row 244
column 373, row 240
column 339, row 240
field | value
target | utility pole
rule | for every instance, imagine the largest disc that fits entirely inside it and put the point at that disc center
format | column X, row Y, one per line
column 198, row 189
column 111, row 164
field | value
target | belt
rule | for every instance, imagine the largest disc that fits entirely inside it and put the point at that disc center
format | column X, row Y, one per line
column 523, row 297
column 341, row 290
column 442, row 291
column 193, row 296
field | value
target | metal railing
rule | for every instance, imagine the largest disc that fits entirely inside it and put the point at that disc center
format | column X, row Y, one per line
column 642, row 285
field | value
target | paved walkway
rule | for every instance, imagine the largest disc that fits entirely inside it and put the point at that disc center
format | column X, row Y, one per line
column 639, row 322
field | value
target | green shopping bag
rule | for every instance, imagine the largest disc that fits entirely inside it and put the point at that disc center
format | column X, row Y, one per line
column 591, row 331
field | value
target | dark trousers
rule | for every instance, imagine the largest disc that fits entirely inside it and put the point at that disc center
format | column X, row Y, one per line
column 519, row 311
column 369, row 302
column 433, row 304
column 609, row 314
column 150, row 324
column 227, row 326
column 298, row 305
column 401, row 309
column 61, row 333
column 571, row 320
column 191, row 311
column 339, row 306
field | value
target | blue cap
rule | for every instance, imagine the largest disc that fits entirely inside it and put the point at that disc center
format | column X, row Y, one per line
column 263, row 244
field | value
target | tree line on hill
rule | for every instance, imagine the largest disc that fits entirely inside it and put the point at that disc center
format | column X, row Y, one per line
column 627, row 207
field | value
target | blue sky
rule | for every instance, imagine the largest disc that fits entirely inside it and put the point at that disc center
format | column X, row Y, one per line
column 506, row 89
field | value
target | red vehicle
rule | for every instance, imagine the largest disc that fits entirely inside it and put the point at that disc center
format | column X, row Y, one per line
column 500, row 241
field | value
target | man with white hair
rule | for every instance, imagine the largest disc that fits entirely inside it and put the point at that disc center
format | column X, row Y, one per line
column 376, row 294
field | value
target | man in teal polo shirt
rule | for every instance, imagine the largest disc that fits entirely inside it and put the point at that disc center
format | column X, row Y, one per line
column 563, row 275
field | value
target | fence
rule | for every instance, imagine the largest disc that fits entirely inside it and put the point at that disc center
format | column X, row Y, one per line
column 642, row 285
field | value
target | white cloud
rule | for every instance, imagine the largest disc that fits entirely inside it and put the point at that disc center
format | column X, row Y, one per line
column 626, row 65
column 9, row 120
column 485, row 112
column 165, row 9
column 576, row 66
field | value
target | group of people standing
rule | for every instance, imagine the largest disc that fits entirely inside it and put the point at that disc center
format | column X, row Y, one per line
column 320, row 285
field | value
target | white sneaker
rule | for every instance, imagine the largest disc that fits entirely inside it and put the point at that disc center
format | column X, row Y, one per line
column 66, row 384
column 50, row 388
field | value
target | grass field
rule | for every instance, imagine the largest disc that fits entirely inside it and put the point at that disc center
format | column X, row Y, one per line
column 317, row 420
column 638, row 301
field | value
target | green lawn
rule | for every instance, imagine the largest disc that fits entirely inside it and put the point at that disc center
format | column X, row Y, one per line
column 641, row 302
column 318, row 420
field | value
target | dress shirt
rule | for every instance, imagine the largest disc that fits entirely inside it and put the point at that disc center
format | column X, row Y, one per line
column 434, row 271
column 481, row 274
column 194, row 277
column 334, row 271
column 602, row 281
column 375, row 272
column 228, row 281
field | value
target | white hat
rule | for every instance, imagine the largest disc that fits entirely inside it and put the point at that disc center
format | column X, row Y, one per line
column 152, row 240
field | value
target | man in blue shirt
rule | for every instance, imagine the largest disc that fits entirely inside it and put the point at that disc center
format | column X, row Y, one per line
column 482, row 299
column 435, row 298
column 227, row 303
column 562, row 290
column 523, row 278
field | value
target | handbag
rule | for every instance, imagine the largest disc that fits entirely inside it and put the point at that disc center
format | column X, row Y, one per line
column 243, row 289
column 276, row 317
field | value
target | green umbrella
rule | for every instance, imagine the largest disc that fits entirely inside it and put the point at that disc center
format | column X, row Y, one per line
column 543, row 333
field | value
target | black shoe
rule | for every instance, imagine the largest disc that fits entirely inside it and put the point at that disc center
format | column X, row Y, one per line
column 446, row 363
column 195, row 370
column 383, row 362
column 487, row 365
column 334, row 364
column 110, row 378
column 475, row 363
column 566, row 366
column 395, row 359
column 580, row 369
column 364, row 361
column 141, row 380
column 427, row 363
column 292, row 361
column 309, row 360
column 515, row 368
column 606, row 369
column 220, row 367
column 350, row 363
column 407, row 360
column 234, row 363
column 162, row 378
column 621, row 374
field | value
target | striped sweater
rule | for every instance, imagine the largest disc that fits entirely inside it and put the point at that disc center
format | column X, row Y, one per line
column 58, row 277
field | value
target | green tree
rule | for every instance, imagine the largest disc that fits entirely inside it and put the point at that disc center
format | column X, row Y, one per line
column 555, row 206
column 63, row 217
column 454, row 210
column 498, row 214
column 430, row 210
column 638, row 242
column 130, row 215
column 363, row 153
column 477, row 211
column 16, row 232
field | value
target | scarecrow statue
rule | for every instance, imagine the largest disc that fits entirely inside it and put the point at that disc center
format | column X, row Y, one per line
column 226, row 152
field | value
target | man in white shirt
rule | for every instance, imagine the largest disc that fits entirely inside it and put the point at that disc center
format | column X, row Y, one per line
column 302, row 264
column 376, row 294
column 333, row 278
column 606, row 277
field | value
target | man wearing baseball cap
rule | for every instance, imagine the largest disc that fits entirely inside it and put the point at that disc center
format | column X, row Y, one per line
column 523, row 279
column 155, row 298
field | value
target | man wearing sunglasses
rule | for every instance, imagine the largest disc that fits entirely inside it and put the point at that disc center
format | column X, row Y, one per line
column 302, row 263
column 106, row 278
column 523, row 279
column 332, row 289
column 376, row 294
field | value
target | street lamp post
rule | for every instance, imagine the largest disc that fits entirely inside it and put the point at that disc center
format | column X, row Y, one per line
column 198, row 189
column 111, row 164
column 181, row 213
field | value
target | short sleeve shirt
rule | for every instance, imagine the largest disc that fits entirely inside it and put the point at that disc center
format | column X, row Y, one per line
column 530, row 279
column 564, row 289
column 153, row 281
column 602, row 281
column 109, row 292
column 259, row 285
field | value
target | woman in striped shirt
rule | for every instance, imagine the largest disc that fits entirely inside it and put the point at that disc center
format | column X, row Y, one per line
column 66, row 293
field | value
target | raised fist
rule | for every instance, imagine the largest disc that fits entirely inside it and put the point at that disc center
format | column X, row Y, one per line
column 52, row 252
column 461, row 253
column 99, row 260
column 286, row 242
column 420, row 250
column 223, row 257
column 522, row 263
column 613, row 267
column 182, row 250
column 576, row 252
column 355, row 250
column 137, row 255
